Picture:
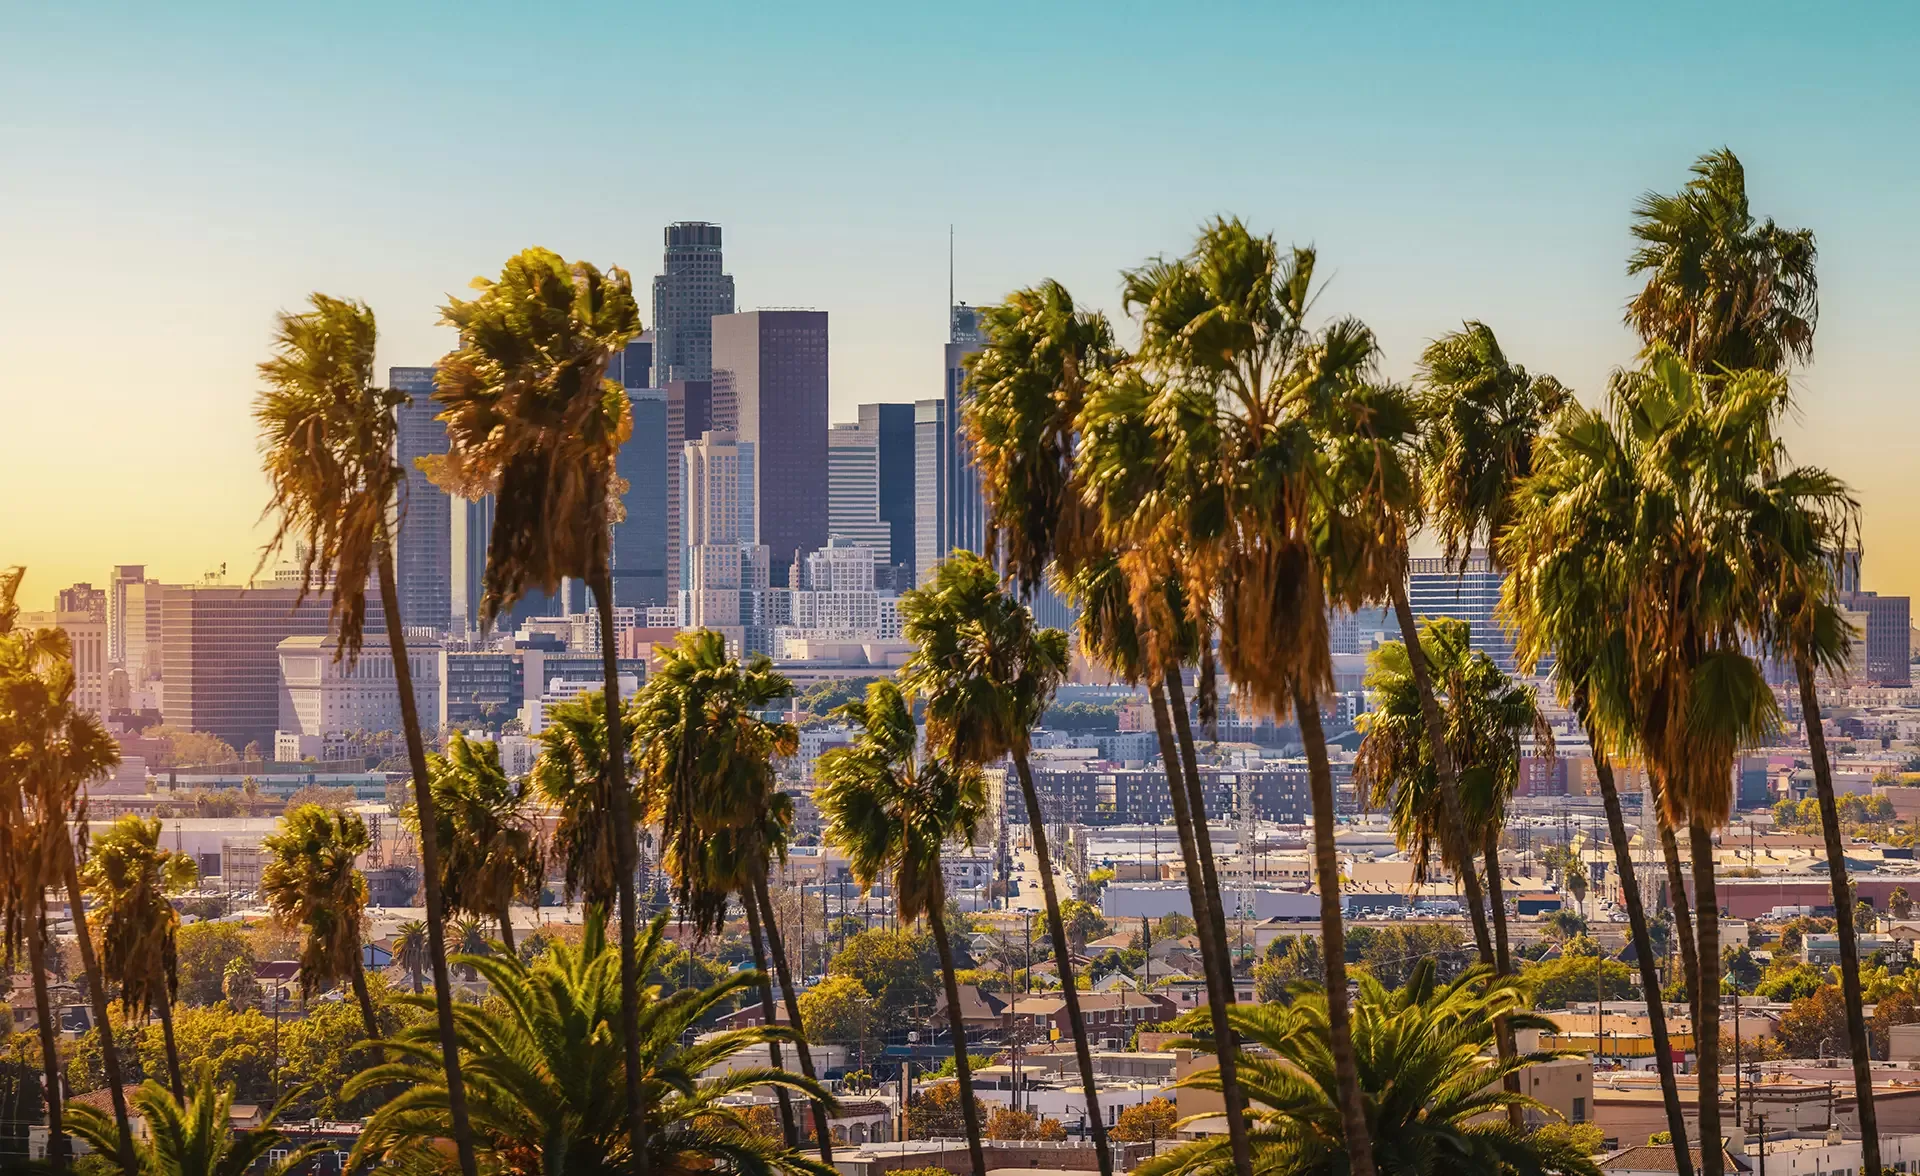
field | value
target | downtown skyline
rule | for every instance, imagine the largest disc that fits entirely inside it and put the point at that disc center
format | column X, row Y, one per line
column 1503, row 196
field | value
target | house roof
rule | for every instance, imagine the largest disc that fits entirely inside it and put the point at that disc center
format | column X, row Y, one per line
column 975, row 1004
column 1120, row 940
column 1651, row 1158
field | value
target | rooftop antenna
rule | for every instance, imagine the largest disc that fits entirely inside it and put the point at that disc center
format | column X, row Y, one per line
column 949, row 281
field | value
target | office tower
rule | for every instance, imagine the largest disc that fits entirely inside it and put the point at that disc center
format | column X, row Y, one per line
column 853, row 490
column 123, row 576
column 1885, row 625
column 931, row 444
column 1439, row 588
column 82, row 598
column 771, row 366
column 423, row 557
column 640, row 539
column 141, row 631
column 966, row 509
column 321, row 696
column 472, row 530
column 892, row 426
column 724, row 569
column 689, row 415
column 81, row 613
column 687, row 295
column 221, row 655
column 632, row 367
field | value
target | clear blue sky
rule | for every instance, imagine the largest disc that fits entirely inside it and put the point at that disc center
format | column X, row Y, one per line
column 172, row 175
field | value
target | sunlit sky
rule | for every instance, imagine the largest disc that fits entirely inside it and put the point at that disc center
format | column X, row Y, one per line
column 171, row 175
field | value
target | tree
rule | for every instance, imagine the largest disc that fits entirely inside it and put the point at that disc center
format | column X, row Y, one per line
column 1899, row 903
column 1425, row 1053
column 1009, row 1123
column 838, row 1011
column 309, row 880
column 1791, row 984
column 1287, row 963
column 491, row 857
column 131, row 878
column 545, row 1065
column 570, row 775
column 1815, row 1025
column 712, row 789
column 1147, row 1121
column 410, row 950
column 1564, row 924
column 894, row 968
column 1556, row 983
column 182, row 748
column 1895, row 1008
column 1737, row 964
column 987, row 673
column 203, row 951
column 329, row 439
column 191, row 1137
column 936, row 1111
column 890, row 809
column 1083, row 922
column 533, row 421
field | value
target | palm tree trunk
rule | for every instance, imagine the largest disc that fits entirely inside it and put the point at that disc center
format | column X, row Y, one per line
column 506, row 930
column 365, row 1000
column 625, row 854
column 1219, row 990
column 1063, row 956
column 1503, row 963
column 1706, row 1026
column 1682, row 921
column 957, row 1026
column 1643, row 948
column 787, row 1130
column 96, row 988
column 166, row 1037
column 1843, row 921
column 777, row 947
column 58, row 1151
column 1456, row 820
column 429, row 859
column 1333, row 940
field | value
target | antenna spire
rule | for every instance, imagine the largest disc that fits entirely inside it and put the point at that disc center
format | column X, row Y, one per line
column 949, row 281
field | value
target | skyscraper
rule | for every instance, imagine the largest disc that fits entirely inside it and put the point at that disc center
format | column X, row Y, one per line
column 222, row 661
column 892, row 426
column 723, row 567
column 123, row 576
column 932, row 442
column 965, row 508
column 689, row 415
column 424, row 553
column 640, row 539
column 853, row 490
column 83, row 598
column 688, row 293
column 771, row 366
column 1439, row 588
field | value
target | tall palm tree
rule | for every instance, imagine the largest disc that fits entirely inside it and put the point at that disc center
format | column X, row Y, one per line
column 533, row 420
column 130, row 877
column 570, row 774
column 1568, row 580
column 987, row 674
column 328, row 436
column 410, row 948
column 309, row 881
column 1723, row 290
column 890, row 810
column 1729, row 293
column 546, row 1061
column 49, row 750
column 491, row 857
column 1422, row 1051
column 711, row 786
column 192, row 1134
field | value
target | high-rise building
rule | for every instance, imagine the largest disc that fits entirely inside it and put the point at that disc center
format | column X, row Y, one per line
column 423, row 557
column 726, row 573
column 853, row 490
column 221, row 656
column 142, row 633
column 640, row 538
column 1441, row 588
column 771, row 366
column 82, row 598
column 123, row 576
column 472, row 531
column 932, row 443
column 321, row 696
column 688, row 293
column 966, row 509
column 81, row 613
column 689, row 416
column 632, row 367
column 892, row 427
column 1885, row 623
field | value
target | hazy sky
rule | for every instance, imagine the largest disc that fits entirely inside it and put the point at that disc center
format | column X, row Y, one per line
column 171, row 175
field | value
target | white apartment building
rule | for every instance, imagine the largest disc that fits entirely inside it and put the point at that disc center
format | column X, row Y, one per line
column 320, row 695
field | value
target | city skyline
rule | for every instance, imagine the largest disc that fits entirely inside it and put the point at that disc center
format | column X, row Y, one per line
column 1438, row 190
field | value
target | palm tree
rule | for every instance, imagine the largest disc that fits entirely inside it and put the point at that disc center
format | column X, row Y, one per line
column 987, row 675
column 1724, row 291
column 890, row 810
column 533, row 420
column 570, row 774
column 710, row 784
column 309, row 881
column 410, row 948
column 1568, row 580
column 329, row 439
column 192, row 1135
column 131, row 878
column 1435, row 1095
column 49, row 749
column 491, row 856
column 545, row 1062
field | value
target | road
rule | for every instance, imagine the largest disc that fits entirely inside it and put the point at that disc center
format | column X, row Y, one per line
column 1026, row 874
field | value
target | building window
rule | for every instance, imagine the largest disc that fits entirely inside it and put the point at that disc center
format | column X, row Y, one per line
column 1579, row 1110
